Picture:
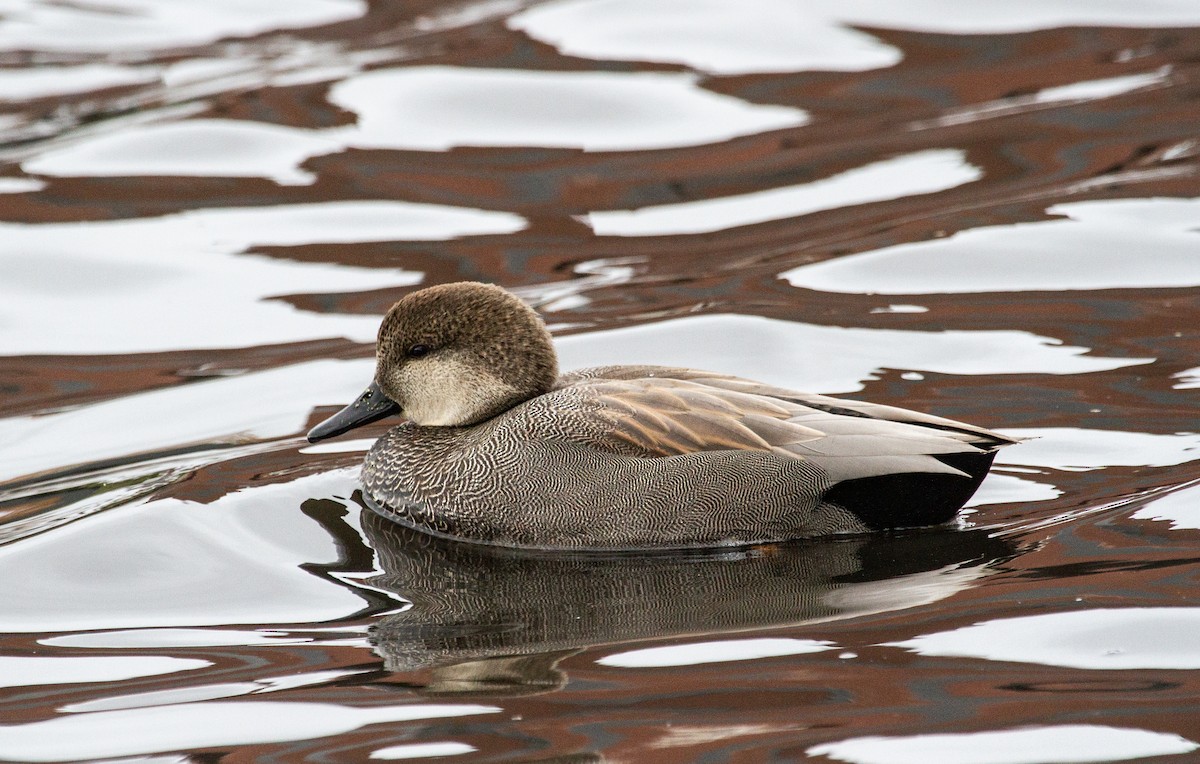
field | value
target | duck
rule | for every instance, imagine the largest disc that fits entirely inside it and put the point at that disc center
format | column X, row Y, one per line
column 500, row 448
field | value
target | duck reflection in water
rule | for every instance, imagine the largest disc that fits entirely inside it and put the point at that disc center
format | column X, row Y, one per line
column 490, row 620
column 502, row 450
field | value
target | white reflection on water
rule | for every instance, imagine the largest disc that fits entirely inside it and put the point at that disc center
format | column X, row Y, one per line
column 256, row 66
column 106, row 734
column 719, row 36
column 21, row 185
column 172, row 563
column 924, row 172
column 281, row 65
column 196, row 148
column 1106, row 639
column 1108, row 244
column 1103, row 88
column 120, row 25
column 421, row 750
column 825, row 358
column 24, row 84
column 1009, row 489
column 260, row 405
column 1079, row 449
column 144, row 302
column 26, row 671
column 175, row 282
column 718, row 651
column 198, row 692
column 1188, row 380
column 1087, row 90
column 1180, row 508
column 741, row 36
column 425, row 108
column 159, row 638
column 433, row 108
column 1062, row 743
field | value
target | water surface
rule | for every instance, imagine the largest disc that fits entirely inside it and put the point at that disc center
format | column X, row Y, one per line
column 990, row 214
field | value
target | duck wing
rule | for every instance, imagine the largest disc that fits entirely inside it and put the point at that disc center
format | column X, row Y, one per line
column 663, row 411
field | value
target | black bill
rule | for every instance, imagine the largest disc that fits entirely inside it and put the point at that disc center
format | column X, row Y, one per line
column 371, row 406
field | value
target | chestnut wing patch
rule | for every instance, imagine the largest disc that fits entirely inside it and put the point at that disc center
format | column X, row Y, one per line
column 666, row 417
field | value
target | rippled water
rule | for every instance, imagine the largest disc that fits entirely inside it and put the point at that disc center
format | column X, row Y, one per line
column 985, row 212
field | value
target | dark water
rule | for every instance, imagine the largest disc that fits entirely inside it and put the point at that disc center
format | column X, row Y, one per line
column 991, row 214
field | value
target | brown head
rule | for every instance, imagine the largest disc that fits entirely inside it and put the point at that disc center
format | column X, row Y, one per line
column 453, row 355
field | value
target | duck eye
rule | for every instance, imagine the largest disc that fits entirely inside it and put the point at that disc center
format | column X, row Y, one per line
column 418, row 350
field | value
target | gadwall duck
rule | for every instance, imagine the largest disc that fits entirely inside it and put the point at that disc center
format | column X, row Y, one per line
column 500, row 449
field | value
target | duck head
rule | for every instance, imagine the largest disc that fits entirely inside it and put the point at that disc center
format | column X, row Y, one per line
column 450, row 356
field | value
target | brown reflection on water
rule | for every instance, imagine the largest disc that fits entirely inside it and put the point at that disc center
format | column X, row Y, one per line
column 536, row 637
